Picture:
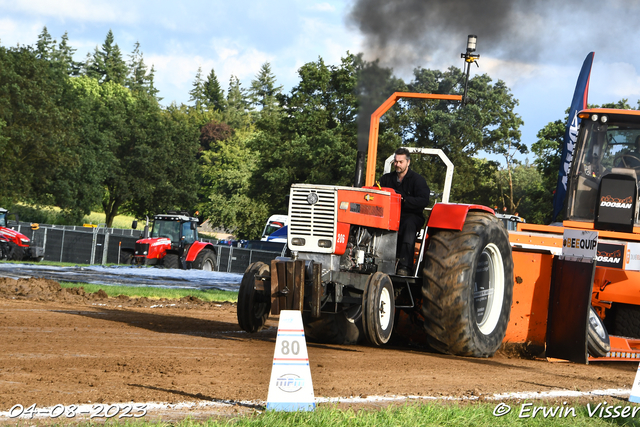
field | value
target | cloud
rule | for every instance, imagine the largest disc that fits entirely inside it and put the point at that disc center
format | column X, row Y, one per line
column 13, row 32
column 77, row 10
column 610, row 82
column 322, row 7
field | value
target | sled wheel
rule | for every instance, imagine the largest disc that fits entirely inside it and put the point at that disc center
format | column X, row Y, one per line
column 378, row 309
column 205, row 261
column 253, row 305
column 626, row 320
column 468, row 287
column 340, row 328
column 597, row 336
column 171, row 261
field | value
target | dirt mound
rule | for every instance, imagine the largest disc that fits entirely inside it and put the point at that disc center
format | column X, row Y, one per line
column 37, row 289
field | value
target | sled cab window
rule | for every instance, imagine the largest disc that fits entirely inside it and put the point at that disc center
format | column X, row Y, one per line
column 601, row 149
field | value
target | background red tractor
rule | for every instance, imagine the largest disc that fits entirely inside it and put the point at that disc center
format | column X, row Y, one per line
column 174, row 243
column 16, row 246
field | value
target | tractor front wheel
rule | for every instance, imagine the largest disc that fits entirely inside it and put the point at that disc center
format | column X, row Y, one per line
column 253, row 305
column 171, row 261
column 378, row 309
column 16, row 253
column 598, row 342
column 468, row 287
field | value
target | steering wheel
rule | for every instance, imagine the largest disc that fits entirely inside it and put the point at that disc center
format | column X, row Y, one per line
column 627, row 160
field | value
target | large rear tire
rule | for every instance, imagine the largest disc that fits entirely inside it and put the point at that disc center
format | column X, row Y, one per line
column 253, row 305
column 598, row 342
column 378, row 309
column 206, row 261
column 468, row 287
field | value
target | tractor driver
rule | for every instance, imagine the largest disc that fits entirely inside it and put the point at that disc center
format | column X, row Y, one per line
column 415, row 197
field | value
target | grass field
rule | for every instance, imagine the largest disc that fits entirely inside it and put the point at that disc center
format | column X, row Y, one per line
column 156, row 293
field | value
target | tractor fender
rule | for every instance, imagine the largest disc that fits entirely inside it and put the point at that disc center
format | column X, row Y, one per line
column 196, row 248
column 451, row 216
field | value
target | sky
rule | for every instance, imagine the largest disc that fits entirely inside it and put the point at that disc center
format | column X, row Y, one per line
column 537, row 46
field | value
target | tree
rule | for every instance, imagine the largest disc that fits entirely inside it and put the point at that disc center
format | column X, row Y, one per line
column 238, row 105
column 38, row 146
column 45, row 46
column 197, row 93
column 63, row 57
column 213, row 93
column 227, row 170
column 148, row 156
column 315, row 140
column 107, row 64
column 263, row 91
column 139, row 78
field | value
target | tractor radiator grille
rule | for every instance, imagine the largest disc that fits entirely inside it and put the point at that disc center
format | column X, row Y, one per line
column 317, row 220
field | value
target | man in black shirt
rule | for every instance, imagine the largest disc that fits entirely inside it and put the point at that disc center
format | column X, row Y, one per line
column 415, row 197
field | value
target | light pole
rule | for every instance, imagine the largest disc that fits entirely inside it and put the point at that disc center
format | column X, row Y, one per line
column 469, row 58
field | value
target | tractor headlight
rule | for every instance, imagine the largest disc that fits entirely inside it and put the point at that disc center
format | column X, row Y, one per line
column 324, row 243
column 604, row 119
column 24, row 240
column 594, row 117
column 298, row 241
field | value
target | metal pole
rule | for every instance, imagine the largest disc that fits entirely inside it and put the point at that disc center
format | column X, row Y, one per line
column 105, row 248
column 229, row 263
column 93, row 247
column 62, row 244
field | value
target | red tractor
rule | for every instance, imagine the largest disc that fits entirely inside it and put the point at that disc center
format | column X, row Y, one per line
column 174, row 243
column 16, row 246
column 342, row 273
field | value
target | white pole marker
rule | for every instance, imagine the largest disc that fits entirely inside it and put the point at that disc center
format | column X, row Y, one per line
column 290, row 387
column 635, row 390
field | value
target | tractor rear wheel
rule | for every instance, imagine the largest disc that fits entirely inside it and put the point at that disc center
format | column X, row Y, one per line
column 206, row 261
column 253, row 306
column 378, row 309
column 598, row 342
column 468, row 287
column 171, row 261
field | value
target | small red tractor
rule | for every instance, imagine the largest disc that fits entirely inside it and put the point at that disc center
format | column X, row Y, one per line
column 173, row 243
column 16, row 246
column 342, row 273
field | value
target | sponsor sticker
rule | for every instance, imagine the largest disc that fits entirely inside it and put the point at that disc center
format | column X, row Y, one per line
column 610, row 255
column 632, row 257
column 580, row 243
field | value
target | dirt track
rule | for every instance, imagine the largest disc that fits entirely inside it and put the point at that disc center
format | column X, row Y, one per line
column 65, row 347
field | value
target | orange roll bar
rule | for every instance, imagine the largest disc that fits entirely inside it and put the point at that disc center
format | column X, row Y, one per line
column 375, row 126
